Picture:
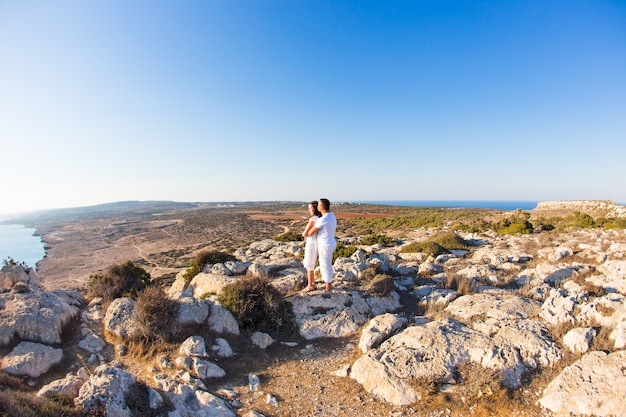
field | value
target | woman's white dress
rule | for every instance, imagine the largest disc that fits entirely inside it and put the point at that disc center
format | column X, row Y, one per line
column 310, row 249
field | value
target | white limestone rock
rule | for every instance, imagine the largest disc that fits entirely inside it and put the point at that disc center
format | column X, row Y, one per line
column 192, row 311
column 31, row 359
column 578, row 340
column 92, row 343
column 431, row 351
column 119, row 317
column 497, row 306
column 222, row 320
column 36, row 315
column 335, row 314
column 379, row 329
column 193, row 346
column 69, row 386
column 593, row 385
column 262, row 340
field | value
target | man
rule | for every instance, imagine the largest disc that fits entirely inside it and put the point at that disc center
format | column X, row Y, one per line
column 325, row 228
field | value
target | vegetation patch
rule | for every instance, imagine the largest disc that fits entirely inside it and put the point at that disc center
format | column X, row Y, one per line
column 289, row 237
column 427, row 247
column 203, row 259
column 258, row 306
column 123, row 280
column 343, row 251
column 377, row 239
column 155, row 314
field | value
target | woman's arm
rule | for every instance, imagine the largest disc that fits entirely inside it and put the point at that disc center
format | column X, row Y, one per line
column 308, row 227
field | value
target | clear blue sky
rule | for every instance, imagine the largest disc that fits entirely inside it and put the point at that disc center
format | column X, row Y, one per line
column 108, row 100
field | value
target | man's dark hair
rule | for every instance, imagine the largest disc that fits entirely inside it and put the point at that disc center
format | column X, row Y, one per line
column 325, row 204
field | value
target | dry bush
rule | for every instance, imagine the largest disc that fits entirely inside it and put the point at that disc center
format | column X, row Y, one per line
column 559, row 330
column 603, row 340
column 381, row 285
column 462, row 285
column 19, row 400
column 156, row 313
column 475, row 381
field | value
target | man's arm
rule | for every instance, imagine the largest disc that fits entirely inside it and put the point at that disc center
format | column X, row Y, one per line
column 313, row 230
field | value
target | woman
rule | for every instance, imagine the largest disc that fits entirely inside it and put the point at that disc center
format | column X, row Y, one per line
column 310, row 246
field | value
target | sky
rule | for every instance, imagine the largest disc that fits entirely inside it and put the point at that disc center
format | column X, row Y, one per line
column 293, row 100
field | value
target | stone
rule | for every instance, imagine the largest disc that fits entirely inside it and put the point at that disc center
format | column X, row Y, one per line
column 119, row 317
column 193, row 346
column 379, row 329
column 31, row 359
column 262, row 340
column 106, row 388
column 593, row 385
column 92, row 343
column 579, row 340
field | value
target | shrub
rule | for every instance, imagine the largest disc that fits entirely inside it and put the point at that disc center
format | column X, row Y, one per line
column 450, row 240
column 578, row 219
column 381, row 285
column 517, row 223
column 124, row 280
column 155, row 314
column 289, row 237
column 377, row 239
column 205, row 258
column 611, row 223
column 343, row 251
column 257, row 305
column 427, row 247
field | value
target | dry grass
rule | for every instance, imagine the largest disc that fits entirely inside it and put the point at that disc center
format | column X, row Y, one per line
column 19, row 400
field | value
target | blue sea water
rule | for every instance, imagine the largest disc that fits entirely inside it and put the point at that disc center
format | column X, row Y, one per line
column 494, row 204
column 19, row 243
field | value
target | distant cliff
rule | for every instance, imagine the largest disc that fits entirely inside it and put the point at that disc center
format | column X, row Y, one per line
column 595, row 208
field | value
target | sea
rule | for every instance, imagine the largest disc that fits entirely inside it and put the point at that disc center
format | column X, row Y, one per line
column 490, row 204
column 20, row 244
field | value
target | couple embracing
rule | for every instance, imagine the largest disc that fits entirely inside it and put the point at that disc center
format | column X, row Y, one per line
column 319, row 236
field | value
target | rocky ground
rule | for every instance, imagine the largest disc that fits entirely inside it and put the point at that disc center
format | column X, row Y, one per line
column 561, row 282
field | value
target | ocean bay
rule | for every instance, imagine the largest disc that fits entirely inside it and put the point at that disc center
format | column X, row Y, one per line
column 19, row 243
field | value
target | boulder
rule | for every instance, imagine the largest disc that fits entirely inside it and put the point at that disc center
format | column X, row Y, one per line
column 36, row 315
column 69, row 386
column 579, row 340
column 334, row 314
column 119, row 317
column 192, row 310
column 432, row 351
column 501, row 306
column 593, row 385
column 222, row 320
column 379, row 329
column 106, row 388
column 31, row 359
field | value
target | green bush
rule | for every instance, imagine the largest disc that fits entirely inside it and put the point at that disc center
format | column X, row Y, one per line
column 343, row 251
column 578, row 219
column 611, row 223
column 427, row 247
column 123, row 280
column 205, row 258
column 257, row 305
column 375, row 239
column 155, row 315
column 450, row 240
column 517, row 223
column 289, row 237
